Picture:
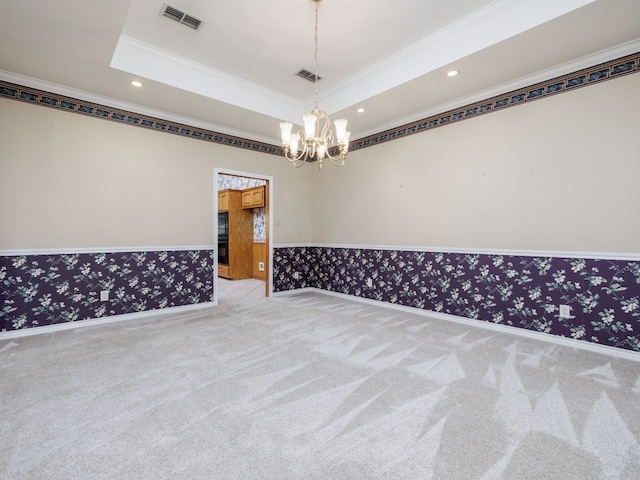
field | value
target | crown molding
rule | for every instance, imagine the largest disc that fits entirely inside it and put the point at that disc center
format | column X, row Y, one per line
column 566, row 68
column 487, row 26
column 139, row 58
column 497, row 21
column 58, row 89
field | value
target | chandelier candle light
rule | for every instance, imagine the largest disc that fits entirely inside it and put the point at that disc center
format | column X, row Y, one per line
column 317, row 138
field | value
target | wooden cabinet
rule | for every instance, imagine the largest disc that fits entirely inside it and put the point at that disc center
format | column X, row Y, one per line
column 240, row 237
column 260, row 260
column 223, row 270
column 223, row 201
column 253, row 197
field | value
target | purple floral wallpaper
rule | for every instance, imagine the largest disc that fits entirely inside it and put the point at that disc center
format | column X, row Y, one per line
column 48, row 289
column 521, row 291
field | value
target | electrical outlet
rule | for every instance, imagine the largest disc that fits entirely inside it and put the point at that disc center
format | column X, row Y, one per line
column 104, row 295
column 565, row 311
column 261, row 266
column 296, row 275
column 369, row 282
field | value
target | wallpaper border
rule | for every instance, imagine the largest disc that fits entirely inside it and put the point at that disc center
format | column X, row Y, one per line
column 595, row 74
column 57, row 101
column 565, row 83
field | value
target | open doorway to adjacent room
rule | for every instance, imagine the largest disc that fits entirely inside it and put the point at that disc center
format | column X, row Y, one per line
column 242, row 235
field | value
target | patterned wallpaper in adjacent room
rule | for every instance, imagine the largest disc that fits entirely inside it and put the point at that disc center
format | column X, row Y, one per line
column 259, row 225
column 237, row 183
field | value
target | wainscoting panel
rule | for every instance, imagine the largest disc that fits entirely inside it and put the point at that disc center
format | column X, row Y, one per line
column 46, row 289
column 517, row 290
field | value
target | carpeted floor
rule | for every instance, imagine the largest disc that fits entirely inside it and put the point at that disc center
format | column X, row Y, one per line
column 311, row 387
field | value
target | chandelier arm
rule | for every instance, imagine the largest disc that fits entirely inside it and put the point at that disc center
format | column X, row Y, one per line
column 324, row 130
column 337, row 160
column 304, row 154
column 297, row 160
column 291, row 159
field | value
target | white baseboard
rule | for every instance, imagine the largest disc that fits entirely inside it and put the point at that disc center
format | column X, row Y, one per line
column 298, row 290
column 24, row 332
column 545, row 337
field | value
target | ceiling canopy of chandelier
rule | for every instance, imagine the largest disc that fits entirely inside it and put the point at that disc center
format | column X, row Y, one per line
column 316, row 140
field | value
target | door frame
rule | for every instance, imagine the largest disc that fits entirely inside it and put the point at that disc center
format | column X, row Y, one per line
column 269, row 225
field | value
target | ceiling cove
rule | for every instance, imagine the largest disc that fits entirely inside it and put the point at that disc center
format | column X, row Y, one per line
column 487, row 26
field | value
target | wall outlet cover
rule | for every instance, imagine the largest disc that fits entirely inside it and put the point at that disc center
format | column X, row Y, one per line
column 565, row 311
column 261, row 266
column 104, row 295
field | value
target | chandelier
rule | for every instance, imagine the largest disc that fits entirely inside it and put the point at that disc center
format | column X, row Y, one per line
column 317, row 140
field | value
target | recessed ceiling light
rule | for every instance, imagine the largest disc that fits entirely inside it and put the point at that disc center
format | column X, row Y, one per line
column 452, row 73
column 136, row 83
column 360, row 110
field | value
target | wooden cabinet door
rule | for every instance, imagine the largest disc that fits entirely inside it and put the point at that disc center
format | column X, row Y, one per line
column 258, row 197
column 247, row 199
column 223, row 201
column 253, row 197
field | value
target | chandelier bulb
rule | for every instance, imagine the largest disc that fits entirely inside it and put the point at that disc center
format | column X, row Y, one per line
column 285, row 131
column 310, row 120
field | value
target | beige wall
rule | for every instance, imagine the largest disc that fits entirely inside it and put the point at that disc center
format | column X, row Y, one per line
column 558, row 174
column 69, row 181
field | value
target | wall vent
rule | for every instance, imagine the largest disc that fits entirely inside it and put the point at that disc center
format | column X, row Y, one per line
column 179, row 16
column 307, row 75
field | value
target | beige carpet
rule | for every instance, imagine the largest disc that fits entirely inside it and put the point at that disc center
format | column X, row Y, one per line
column 311, row 387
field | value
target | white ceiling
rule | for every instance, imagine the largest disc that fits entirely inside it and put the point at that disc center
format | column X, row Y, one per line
column 236, row 74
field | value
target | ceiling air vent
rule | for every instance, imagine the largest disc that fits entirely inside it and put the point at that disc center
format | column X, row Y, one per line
column 181, row 17
column 307, row 75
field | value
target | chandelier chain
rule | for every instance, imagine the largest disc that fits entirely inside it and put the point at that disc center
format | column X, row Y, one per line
column 317, row 138
column 315, row 71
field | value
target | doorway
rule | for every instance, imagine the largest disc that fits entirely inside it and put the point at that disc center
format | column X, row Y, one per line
column 248, row 274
